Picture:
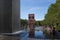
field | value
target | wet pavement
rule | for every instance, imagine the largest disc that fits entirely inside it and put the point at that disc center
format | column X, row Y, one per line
column 39, row 35
column 5, row 37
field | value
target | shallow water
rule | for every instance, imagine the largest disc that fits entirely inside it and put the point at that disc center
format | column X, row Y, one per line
column 38, row 34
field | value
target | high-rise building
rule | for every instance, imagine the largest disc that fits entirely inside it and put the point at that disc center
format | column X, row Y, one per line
column 9, row 16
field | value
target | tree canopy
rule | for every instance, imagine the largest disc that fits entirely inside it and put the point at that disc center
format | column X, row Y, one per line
column 53, row 14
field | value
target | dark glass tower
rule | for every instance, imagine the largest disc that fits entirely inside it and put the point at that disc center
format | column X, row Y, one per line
column 9, row 16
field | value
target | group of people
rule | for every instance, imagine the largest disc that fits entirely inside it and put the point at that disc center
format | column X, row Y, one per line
column 50, row 29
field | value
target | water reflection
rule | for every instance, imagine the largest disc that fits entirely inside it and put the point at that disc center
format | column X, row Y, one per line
column 38, row 34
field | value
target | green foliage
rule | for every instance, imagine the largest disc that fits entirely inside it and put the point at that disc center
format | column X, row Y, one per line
column 57, row 28
column 53, row 15
column 37, row 23
column 24, row 22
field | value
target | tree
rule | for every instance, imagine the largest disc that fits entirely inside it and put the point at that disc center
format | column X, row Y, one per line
column 24, row 22
column 53, row 15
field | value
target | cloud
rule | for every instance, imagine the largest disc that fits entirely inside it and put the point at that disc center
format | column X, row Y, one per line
column 38, row 11
column 35, row 9
column 38, row 7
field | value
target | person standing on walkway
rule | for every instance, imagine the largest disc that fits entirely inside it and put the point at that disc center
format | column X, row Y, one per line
column 53, row 30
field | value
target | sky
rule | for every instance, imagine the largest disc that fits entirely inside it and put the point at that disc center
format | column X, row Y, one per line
column 37, row 7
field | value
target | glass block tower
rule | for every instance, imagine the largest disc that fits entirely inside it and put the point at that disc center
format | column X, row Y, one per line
column 9, row 16
column 31, row 24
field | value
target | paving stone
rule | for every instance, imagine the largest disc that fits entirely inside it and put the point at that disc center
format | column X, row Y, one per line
column 2, row 37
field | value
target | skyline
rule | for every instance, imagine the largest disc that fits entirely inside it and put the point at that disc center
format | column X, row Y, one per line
column 38, row 7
